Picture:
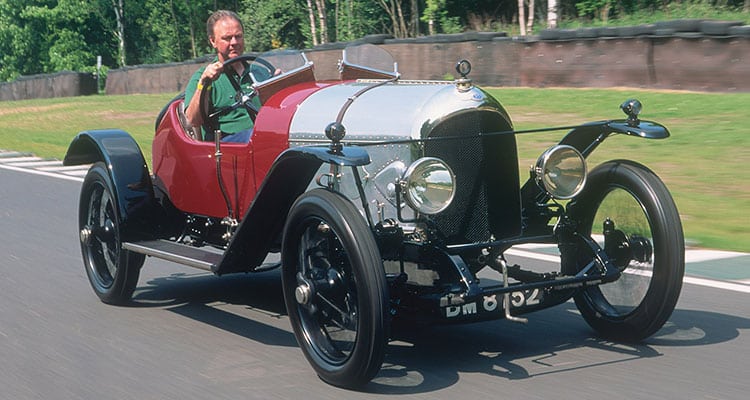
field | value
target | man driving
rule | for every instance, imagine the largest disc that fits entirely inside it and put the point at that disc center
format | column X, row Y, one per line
column 226, row 35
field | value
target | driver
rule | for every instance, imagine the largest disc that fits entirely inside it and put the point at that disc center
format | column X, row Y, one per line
column 226, row 35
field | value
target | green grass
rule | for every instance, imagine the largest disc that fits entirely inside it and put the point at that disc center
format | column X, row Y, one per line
column 704, row 163
column 45, row 127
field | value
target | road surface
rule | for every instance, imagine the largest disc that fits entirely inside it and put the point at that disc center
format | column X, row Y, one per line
column 191, row 335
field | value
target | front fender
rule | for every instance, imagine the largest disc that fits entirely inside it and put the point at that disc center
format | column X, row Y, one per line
column 129, row 173
column 587, row 137
column 289, row 177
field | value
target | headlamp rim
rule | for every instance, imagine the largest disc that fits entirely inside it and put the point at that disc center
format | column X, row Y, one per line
column 541, row 163
column 407, row 178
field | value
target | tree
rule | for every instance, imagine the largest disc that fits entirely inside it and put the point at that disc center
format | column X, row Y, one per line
column 552, row 14
column 439, row 19
column 117, row 6
column 598, row 8
column 313, row 25
column 357, row 18
column 17, row 50
column 396, row 14
column 525, row 24
column 415, row 18
column 48, row 36
column 317, row 14
column 320, row 5
column 274, row 24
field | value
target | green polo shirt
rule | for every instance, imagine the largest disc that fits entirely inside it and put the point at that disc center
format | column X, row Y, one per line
column 223, row 95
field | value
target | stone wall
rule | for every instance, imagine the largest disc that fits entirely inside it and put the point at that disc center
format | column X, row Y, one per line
column 679, row 62
column 61, row 84
column 161, row 78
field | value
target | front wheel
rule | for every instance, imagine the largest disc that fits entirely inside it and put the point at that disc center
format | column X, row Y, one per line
column 644, row 239
column 112, row 271
column 335, row 288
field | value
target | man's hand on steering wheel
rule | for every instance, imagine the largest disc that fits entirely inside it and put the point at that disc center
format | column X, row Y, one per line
column 242, row 99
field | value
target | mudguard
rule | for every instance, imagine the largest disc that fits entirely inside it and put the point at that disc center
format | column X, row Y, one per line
column 586, row 138
column 131, row 180
column 289, row 177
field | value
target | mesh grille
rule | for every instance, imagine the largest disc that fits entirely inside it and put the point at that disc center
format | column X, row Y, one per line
column 486, row 173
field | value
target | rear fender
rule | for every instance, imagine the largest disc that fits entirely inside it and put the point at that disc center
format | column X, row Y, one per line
column 129, row 173
column 289, row 177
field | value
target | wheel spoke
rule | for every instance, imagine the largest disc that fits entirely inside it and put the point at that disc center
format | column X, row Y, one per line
column 345, row 316
column 630, row 206
column 627, row 213
column 112, row 272
column 329, row 254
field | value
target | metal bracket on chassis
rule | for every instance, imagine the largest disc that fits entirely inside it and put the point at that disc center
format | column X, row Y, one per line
column 468, row 281
column 468, row 301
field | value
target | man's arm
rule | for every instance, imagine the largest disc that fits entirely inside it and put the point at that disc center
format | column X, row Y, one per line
column 201, row 80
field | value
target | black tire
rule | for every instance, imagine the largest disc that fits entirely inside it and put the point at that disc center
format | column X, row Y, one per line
column 335, row 289
column 112, row 271
column 639, row 303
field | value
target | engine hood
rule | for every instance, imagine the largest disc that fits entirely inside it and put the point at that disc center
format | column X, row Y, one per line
column 387, row 113
column 398, row 110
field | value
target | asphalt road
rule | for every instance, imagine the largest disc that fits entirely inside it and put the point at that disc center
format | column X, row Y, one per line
column 190, row 335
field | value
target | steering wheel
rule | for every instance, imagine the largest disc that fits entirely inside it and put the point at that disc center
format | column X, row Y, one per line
column 242, row 99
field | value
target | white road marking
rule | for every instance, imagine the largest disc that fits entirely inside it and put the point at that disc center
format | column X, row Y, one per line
column 44, row 173
column 61, row 168
column 20, row 159
column 21, row 162
column 742, row 286
column 34, row 164
column 733, row 286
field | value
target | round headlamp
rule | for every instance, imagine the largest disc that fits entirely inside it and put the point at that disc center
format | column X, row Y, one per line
column 429, row 185
column 561, row 172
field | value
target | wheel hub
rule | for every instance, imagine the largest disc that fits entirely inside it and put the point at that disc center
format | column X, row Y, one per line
column 303, row 294
column 616, row 245
column 85, row 235
column 641, row 248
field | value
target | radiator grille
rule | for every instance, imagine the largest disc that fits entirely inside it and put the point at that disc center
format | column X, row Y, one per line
column 487, row 198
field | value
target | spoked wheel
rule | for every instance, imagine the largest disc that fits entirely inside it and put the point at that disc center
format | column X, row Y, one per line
column 335, row 288
column 112, row 271
column 630, row 212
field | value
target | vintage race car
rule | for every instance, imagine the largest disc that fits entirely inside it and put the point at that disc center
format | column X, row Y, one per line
column 383, row 200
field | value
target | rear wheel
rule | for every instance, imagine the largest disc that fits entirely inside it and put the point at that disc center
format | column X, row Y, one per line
column 112, row 271
column 644, row 239
column 335, row 288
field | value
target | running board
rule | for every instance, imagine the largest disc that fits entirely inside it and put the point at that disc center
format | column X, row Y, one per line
column 182, row 254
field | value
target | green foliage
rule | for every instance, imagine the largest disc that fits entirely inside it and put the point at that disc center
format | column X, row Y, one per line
column 635, row 12
column 436, row 13
column 49, row 36
column 68, row 52
column 354, row 19
column 44, row 36
column 593, row 8
column 273, row 24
